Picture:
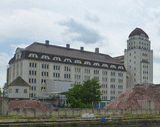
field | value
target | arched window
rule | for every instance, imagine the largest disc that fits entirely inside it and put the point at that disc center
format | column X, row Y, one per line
column 112, row 66
column 104, row 65
column 96, row 64
column 120, row 67
column 33, row 55
column 45, row 57
column 87, row 63
column 78, row 62
column 67, row 60
column 57, row 58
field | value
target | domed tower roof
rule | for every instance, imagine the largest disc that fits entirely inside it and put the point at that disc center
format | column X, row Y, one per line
column 138, row 31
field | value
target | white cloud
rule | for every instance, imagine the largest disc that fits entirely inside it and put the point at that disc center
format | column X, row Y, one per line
column 4, row 58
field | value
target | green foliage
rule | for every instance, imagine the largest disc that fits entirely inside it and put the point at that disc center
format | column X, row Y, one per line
column 82, row 96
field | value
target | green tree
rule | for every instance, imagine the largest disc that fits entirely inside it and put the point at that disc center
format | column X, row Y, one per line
column 81, row 96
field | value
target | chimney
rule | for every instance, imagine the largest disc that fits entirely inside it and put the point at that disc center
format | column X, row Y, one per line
column 67, row 46
column 82, row 48
column 97, row 50
column 47, row 42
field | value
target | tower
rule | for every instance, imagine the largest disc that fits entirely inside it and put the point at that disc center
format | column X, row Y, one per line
column 138, row 58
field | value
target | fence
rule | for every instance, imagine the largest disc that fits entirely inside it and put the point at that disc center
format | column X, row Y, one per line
column 78, row 112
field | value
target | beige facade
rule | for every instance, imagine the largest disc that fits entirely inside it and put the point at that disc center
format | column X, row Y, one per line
column 138, row 58
column 18, row 92
column 37, row 68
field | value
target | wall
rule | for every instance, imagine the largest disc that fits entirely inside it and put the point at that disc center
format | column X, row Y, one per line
column 3, row 105
column 78, row 112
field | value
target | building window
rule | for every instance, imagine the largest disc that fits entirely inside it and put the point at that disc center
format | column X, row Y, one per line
column 104, row 73
column 33, row 55
column 17, row 90
column 25, row 90
column 67, row 68
column 112, row 92
column 57, row 58
column 45, row 57
column 112, row 80
column 87, row 63
column 120, row 80
column 113, row 66
column 112, row 97
column 120, row 74
column 96, row 78
column 120, row 86
column 57, row 75
column 56, row 67
column 119, row 92
column 77, row 62
column 104, row 65
column 67, row 76
column 77, row 69
column 96, row 64
column 120, row 67
column 67, row 60
column 112, row 86
column 87, row 71
column 112, row 73
column 96, row 71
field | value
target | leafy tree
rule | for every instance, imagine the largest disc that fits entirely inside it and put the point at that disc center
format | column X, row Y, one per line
column 81, row 96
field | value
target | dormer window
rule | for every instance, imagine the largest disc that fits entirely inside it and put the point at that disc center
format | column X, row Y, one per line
column 112, row 66
column 96, row 64
column 57, row 58
column 87, row 63
column 45, row 57
column 67, row 60
column 33, row 55
column 120, row 67
column 104, row 65
column 78, row 62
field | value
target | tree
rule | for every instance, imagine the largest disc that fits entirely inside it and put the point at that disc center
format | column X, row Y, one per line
column 84, row 95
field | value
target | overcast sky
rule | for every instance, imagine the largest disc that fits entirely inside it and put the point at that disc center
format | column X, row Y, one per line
column 90, row 23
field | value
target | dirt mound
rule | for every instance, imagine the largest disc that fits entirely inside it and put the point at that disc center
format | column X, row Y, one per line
column 26, row 104
column 132, row 98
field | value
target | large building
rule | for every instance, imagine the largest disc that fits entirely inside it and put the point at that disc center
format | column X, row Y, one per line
column 138, row 58
column 49, row 69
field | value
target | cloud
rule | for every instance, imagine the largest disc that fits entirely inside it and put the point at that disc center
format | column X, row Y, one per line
column 80, row 32
column 92, row 18
column 4, row 58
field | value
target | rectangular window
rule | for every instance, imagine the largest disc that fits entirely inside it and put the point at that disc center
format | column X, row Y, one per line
column 120, row 80
column 104, row 72
column 34, row 80
column 35, row 65
column 25, row 90
column 17, row 90
column 112, row 86
column 120, row 86
column 30, row 64
column 29, row 72
column 112, row 92
column 112, row 80
column 29, row 80
column 120, row 74
column 112, row 73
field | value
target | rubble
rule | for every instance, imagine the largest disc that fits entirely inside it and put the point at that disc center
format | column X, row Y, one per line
column 28, row 104
column 137, row 97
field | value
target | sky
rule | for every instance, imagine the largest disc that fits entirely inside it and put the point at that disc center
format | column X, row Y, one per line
column 105, row 24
